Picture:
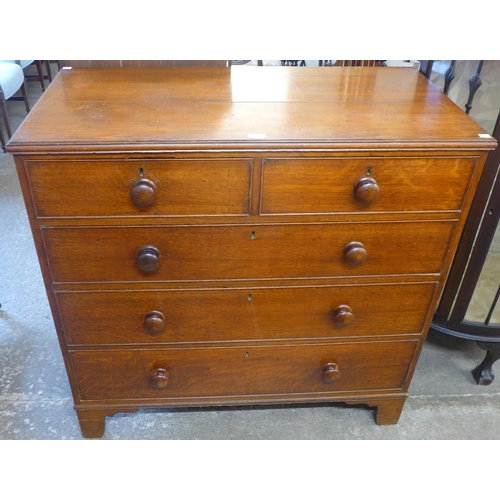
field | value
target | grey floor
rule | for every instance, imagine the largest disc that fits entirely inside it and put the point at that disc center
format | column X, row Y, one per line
column 36, row 403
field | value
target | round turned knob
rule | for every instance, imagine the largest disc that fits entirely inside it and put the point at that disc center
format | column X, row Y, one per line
column 143, row 193
column 366, row 190
column 355, row 253
column 160, row 379
column 342, row 315
column 154, row 322
column 330, row 372
column 148, row 258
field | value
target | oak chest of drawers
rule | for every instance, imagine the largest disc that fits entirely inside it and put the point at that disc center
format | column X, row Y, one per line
column 232, row 236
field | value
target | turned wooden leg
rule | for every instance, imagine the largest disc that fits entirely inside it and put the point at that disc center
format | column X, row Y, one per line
column 388, row 411
column 91, row 423
column 483, row 374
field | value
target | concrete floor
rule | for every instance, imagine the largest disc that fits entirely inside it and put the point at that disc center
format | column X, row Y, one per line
column 36, row 403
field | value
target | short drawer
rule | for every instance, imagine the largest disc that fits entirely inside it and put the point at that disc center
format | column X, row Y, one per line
column 241, row 371
column 192, row 316
column 199, row 253
column 140, row 187
column 302, row 186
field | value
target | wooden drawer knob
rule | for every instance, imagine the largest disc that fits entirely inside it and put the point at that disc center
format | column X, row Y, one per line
column 148, row 258
column 154, row 322
column 366, row 190
column 160, row 379
column 355, row 253
column 143, row 193
column 330, row 372
column 342, row 315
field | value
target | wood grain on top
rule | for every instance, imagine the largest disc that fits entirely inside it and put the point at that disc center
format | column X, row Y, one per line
column 240, row 106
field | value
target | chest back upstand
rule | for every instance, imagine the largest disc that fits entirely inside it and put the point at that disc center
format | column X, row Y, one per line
column 244, row 235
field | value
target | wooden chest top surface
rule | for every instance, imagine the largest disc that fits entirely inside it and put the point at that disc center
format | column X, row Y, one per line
column 244, row 107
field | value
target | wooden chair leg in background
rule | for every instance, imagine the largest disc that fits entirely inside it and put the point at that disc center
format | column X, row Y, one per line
column 39, row 69
column 2, row 143
column 3, row 107
column 5, row 116
column 49, row 73
column 25, row 97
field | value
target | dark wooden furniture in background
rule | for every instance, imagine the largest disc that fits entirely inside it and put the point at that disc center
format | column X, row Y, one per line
column 240, row 62
column 140, row 63
column 41, row 75
column 363, row 63
column 205, row 241
column 465, row 273
column 472, row 251
column 326, row 62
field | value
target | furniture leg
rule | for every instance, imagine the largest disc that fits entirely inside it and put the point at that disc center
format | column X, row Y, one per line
column 49, row 73
column 3, row 110
column 92, row 422
column 388, row 411
column 40, row 73
column 483, row 374
column 2, row 140
column 25, row 97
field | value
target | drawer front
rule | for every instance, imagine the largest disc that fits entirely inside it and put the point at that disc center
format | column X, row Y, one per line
column 243, row 371
column 195, row 253
column 141, row 187
column 301, row 186
column 244, row 314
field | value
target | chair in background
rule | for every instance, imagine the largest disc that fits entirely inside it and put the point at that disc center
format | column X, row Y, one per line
column 41, row 75
column 139, row 64
column 242, row 62
column 292, row 63
column 332, row 62
column 11, row 81
column 351, row 63
column 27, row 63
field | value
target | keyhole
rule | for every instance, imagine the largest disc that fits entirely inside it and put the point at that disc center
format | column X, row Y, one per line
column 141, row 172
column 369, row 171
column 253, row 235
column 249, row 296
column 247, row 354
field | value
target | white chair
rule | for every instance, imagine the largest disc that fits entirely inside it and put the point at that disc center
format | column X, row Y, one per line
column 11, row 81
column 38, row 64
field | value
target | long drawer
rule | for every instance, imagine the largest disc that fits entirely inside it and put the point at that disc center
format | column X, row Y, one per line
column 191, row 253
column 246, row 371
column 243, row 314
column 300, row 186
column 140, row 187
